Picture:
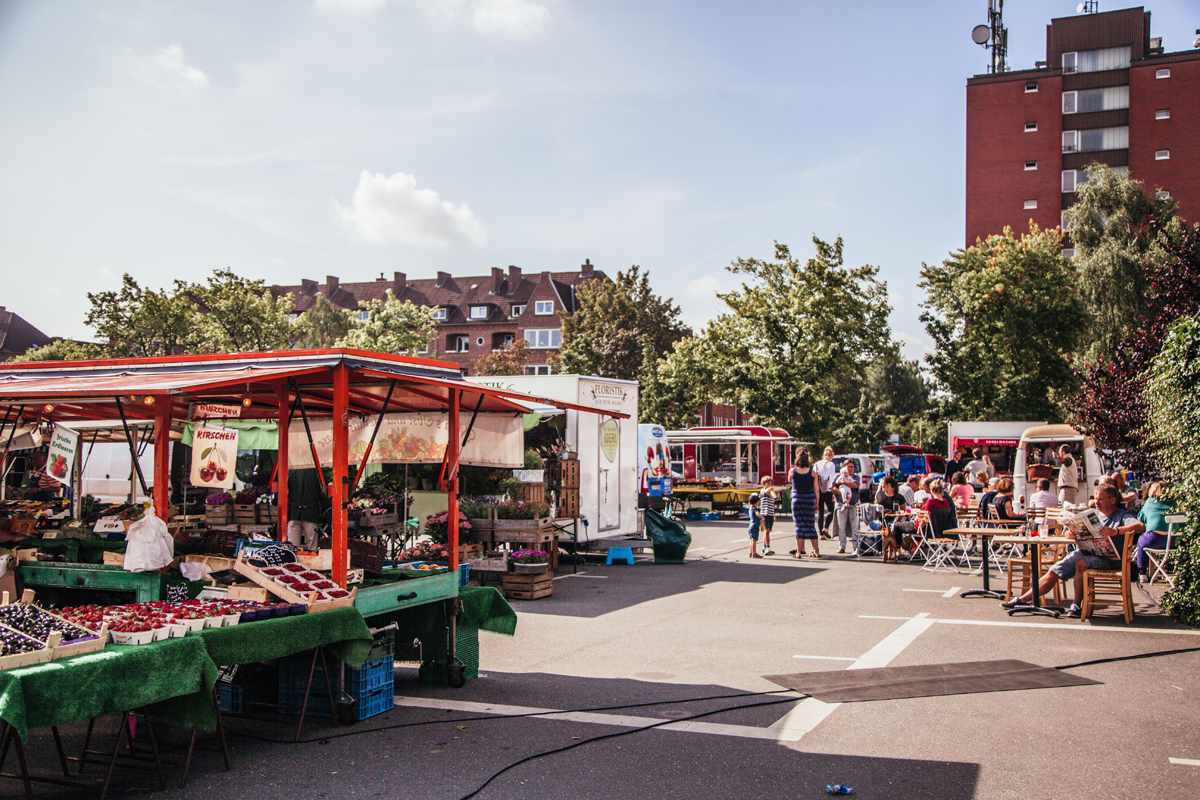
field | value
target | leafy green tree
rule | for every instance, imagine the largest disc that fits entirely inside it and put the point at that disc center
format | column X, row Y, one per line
column 1111, row 226
column 391, row 326
column 605, row 336
column 508, row 360
column 321, row 326
column 793, row 331
column 672, row 388
column 62, row 350
column 138, row 322
column 240, row 315
column 1004, row 315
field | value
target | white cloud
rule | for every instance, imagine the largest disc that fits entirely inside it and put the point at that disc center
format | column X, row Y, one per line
column 390, row 208
column 913, row 347
column 171, row 63
column 510, row 19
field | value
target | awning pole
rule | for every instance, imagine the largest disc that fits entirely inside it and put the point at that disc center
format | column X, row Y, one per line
column 162, row 459
column 341, row 460
column 452, row 452
column 371, row 444
column 132, row 450
column 281, row 459
column 12, row 432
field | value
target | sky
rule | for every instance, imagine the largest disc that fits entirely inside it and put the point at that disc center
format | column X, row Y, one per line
column 300, row 139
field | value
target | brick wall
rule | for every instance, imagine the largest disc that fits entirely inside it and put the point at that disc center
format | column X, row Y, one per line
column 1180, row 174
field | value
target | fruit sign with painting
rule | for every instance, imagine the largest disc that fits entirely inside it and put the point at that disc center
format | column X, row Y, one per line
column 214, row 452
column 60, row 457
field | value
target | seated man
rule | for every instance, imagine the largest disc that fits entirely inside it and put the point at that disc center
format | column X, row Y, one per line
column 1043, row 497
column 1118, row 523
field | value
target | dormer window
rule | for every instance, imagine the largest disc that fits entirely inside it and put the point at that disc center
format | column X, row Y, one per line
column 363, row 316
column 518, row 310
column 543, row 307
column 479, row 312
column 439, row 313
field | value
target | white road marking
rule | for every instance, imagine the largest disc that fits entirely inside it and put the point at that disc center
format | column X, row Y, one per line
column 952, row 592
column 934, row 591
column 1187, row 762
column 828, row 658
column 1059, row 627
column 742, row 540
column 581, row 575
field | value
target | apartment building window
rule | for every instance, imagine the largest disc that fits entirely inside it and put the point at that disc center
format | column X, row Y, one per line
column 363, row 316
column 1162, row 73
column 1073, row 178
column 1162, row 155
column 1162, row 194
column 1030, row 166
column 543, row 307
column 1031, row 87
column 1030, row 127
column 537, row 369
column 1068, row 252
column 1116, row 138
column 1162, row 113
column 1088, row 100
column 458, row 343
column 1096, row 60
column 479, row 312
column 1030, row 204
column 518, row 310
column 439, row 313
column 543, row 338
column 1064, row 219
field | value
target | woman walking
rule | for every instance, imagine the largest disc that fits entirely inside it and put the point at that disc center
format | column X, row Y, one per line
column 805, row 491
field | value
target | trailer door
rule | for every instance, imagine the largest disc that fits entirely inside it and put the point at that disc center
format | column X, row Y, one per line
column 608, row 492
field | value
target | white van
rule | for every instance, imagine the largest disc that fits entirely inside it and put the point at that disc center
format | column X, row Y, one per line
column 1041, row 437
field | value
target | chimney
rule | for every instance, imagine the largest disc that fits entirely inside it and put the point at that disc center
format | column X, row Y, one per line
column 514, row 277
column 307, row 286
column 399, row 280
column 586, row 268
column 497, row 279
column 331, row 285
column 443, row 277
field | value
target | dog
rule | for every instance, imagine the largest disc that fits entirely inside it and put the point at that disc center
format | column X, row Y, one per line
column 891, row 546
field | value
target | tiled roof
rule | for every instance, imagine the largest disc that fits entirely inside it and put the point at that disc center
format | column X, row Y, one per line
column 17, row 335
column 500, row 290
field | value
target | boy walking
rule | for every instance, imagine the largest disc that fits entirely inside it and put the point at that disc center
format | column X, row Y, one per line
column 766, row 509
column 755, row 526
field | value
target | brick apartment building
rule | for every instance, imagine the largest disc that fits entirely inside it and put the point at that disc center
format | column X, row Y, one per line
column 17, row 336
column 477, row 314
column 1106, row 93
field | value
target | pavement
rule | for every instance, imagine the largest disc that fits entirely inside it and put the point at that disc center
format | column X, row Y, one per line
column 646, row 681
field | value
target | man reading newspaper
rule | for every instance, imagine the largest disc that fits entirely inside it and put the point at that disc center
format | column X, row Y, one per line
column 1101, row 538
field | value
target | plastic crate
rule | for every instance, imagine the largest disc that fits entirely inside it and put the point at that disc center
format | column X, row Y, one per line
column 383, row 644
column 232, row 698
column 369, row 704
column 711, row 516
column 466, row 645
column 293, row 674
column 464, row 574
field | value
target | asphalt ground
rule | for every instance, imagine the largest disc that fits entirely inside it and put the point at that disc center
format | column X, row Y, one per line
column 646, row 681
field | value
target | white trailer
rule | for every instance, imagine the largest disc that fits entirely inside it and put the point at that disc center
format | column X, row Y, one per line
column 606, row 447
column 997, row 440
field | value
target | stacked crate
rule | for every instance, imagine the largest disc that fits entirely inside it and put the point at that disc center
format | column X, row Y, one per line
column 372, row 685
column 564, row 478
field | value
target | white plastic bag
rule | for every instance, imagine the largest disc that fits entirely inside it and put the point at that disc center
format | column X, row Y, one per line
column 150, row 544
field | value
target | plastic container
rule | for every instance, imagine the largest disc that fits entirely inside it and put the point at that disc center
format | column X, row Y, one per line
column 464, row 574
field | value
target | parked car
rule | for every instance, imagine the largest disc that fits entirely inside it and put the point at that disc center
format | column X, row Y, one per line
column 912, row 461
column 864, row 467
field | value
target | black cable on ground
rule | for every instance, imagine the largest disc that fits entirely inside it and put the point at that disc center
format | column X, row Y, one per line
column 573, row 745
column 488, row 717
column 1130, row 658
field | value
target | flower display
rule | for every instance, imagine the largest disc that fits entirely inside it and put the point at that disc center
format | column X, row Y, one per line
column 530, row 557
column 218, row 499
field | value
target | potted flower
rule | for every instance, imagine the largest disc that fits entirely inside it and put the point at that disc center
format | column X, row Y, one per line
column 535, row 468
column 437, row 526
column 530, row 561
column 478, row 511
column 492, row 561
column 519, row 514
column 427, row 551
column 218, row 508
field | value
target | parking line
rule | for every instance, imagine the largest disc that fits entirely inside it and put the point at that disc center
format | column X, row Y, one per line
column 580, row 575
column 933, row 591
column 952, row 592
column 1187, row 762
column 1049, row 625
column 828, row 658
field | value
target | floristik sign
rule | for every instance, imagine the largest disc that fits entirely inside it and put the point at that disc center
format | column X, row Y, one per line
column 60, row 461
column 214, row 454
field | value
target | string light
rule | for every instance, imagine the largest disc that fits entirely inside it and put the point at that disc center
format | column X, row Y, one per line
column 49, row 408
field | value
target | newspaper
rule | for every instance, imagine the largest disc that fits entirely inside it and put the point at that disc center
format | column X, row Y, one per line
column 1086, row 526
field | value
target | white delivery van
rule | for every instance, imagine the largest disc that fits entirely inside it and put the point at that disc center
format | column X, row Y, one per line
column 1042, row 438
column 606, row 447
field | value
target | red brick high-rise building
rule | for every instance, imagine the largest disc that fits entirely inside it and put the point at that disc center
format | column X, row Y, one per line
column 1106, row 93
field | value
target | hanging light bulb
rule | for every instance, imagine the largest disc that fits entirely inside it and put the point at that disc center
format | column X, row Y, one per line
column 48, row 408
column 148, row 399
column 246, row 401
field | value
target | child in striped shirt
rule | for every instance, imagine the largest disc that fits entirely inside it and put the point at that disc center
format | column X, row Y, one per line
column 766, row 509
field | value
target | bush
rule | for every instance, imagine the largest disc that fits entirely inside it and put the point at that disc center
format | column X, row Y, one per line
column 437, row 526
column 476, row 507
column 533, row 460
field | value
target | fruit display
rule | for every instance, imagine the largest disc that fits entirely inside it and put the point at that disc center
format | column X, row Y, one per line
column 39, row 623
column 14, row 643
column 167, row 619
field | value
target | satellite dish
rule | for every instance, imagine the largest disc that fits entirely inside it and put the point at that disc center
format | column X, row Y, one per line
column 1079, row 8
column 980, row 34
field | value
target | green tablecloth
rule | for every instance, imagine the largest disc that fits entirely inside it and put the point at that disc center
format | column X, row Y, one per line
column 342, row 628
column 482, row 607
column 173, row 679
column 87, row 551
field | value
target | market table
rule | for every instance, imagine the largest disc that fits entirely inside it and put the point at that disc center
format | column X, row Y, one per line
column 342, row 629
column 983, row 533
column 1036, row 606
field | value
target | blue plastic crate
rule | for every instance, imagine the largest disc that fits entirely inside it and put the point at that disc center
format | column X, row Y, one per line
column 231, row 699
column 372, row 676
column 711, row 516
column 464, row 574
column 369, row 704
column 293, row 675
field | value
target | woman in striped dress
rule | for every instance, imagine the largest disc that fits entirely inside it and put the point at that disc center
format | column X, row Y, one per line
column 804, row 503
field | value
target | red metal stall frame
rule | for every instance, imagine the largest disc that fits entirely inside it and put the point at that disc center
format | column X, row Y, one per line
column 64, row 391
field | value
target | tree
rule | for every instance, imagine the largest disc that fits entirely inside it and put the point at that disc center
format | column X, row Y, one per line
column 605, row 335
column 1004, row 315
column 62, row 350
column 894, row 397
column 672, row 388
column 142, row 322
column 391, row 326
column 1112, row 226
column 793, row 332
column 508, row 360
column 240, row 315
column 321, row 326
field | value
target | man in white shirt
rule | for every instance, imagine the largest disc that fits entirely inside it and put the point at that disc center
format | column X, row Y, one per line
column 922, row 494
column 978, row 464
column 1043, row 497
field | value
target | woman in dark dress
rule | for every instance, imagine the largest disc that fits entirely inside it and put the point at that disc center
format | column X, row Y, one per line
column 804, row 503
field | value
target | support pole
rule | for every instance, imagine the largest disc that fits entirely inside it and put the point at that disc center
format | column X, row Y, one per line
column 281, row 460
column 162, row 458
column 341, row 461
column 133, row 453
column 452, row 449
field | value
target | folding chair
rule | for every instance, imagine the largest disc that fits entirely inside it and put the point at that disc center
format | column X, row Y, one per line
column 941, row 519
column 922, row 546
column 1158, row 558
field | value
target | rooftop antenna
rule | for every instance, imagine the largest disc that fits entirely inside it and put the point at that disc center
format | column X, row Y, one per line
column 1088, row 7
column 995, row 36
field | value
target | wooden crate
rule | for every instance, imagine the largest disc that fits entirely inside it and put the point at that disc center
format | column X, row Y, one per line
column 532, row 493
column 218, row 515
column 568, row 503
column 245, row 514
column 469, row 551
column 569, row 474
column 528, row 587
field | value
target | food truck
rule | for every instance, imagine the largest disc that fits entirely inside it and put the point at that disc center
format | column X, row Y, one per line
column 654, row 467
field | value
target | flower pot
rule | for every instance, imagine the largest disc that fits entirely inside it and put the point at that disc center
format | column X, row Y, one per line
column 530, row 569
column 530, row 475
column 521, row 524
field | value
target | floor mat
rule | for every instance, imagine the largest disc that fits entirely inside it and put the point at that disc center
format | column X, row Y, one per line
column 926, row 680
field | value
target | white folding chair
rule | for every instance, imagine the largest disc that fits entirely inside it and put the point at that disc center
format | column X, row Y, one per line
column 1158, row 557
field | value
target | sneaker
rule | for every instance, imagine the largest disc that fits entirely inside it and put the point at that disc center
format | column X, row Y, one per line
column 768, row 551
column 841, row 549
column 755, row 555
column 1011, row 604
column 1074, row 611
